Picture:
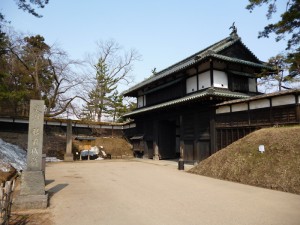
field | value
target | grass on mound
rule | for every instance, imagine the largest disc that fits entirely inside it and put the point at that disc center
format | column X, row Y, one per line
column 277, row 168
column 116, row 146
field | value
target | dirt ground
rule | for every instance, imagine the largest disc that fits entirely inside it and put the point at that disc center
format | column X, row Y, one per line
column 145, row 192
column 55, row 146
column 32, row 217
column 29, row 217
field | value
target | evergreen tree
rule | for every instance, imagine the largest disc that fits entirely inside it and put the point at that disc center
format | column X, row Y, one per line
column 35, row 60
column 117, row 108
column 31, row 69
column 280, row 78
column 288, row 26
column 98, row 97
column 113, row 68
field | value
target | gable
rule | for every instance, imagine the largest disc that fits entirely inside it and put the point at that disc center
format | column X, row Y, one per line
column 229, row 50
column 240, row 51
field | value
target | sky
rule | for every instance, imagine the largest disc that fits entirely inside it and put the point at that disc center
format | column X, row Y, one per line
column 162, row 31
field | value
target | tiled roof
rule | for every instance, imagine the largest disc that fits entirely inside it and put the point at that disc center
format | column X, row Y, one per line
column 262, row 96
column 211, row 51
column 236, row 60
column 186, row 99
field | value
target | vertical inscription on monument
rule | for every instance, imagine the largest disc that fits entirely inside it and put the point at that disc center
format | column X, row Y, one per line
column 35, row 135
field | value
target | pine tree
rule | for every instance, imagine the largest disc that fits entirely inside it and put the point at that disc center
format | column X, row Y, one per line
column 99, row 99
column 116, row 107
column 112, row 68
column 280, row 78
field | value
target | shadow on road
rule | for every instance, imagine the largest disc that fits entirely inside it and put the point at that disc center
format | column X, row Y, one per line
column 52, row 191
column 48, row 182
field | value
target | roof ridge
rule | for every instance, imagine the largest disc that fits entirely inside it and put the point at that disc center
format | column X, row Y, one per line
column 193, row 55
column 179, row 63
column 212, row 50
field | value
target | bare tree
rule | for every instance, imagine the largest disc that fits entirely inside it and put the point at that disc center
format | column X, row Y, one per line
column 36, row 70
column 65, row 83
column 110, row 67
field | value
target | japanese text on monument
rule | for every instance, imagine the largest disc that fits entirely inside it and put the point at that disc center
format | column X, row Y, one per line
column 35, row 135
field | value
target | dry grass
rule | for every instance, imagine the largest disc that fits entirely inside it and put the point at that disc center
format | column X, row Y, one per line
column 115, row 146
column 54, row 145
column 118, row 147
column 31, row 217
column 5, row 176
column 278, row 168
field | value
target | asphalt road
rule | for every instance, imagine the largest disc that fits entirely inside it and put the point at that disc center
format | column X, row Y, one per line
column 147, row 193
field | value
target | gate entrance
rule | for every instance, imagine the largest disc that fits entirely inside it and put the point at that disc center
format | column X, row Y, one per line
column 167, row 139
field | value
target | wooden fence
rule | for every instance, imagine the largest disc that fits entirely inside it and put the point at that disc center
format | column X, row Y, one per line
column 6, row 191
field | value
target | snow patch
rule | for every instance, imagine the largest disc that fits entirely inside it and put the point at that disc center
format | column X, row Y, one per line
column 13, row 155
column 52, row 159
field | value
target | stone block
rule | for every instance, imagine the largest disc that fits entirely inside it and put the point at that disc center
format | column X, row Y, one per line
column 24, row 202
column 68, row 157
column 32, row 183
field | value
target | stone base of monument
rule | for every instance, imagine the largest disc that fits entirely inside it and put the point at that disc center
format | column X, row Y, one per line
column 23, row 202
column 68, row 157
column 156, row 157
column 32, row 192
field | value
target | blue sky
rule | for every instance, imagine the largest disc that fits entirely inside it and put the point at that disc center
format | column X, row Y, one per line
column 162, row 31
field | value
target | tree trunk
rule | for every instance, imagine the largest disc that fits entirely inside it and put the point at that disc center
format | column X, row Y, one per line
column 37, row 82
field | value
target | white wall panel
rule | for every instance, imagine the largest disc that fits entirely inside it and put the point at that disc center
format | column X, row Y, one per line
column 191, row 84
column 258, row 104
column 204, row 80
column 283, row 100
column 220, row 79
column 239, row 107
column 140, row 102
column 223, row 109
column 252, row 84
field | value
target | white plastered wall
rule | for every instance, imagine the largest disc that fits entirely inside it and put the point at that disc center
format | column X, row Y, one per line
column 191, row 84
column 220, row 79
column 252, row 84
column 223, row 109
column 239, row 107
column 283, row 100
column 140, row 102
column 258, row 104
column 204, row 80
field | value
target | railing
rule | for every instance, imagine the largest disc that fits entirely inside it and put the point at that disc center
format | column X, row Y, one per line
column 6, row 191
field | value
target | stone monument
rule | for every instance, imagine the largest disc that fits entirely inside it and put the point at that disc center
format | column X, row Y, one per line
column 69, row 156
column 32, row 192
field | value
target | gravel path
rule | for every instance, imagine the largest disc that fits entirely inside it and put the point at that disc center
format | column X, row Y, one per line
column 145, row 192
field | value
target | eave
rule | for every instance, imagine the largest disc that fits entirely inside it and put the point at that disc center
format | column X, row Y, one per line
column 210, row 92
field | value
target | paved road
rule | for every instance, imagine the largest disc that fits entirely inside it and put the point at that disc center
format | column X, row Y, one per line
column 145, row 193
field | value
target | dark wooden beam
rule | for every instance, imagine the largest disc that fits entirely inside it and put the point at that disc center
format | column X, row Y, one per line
column 211, row 69
column 155, row 140
column 212, row 132
column 297, row 109
column 271, row 112
column 197, row 74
